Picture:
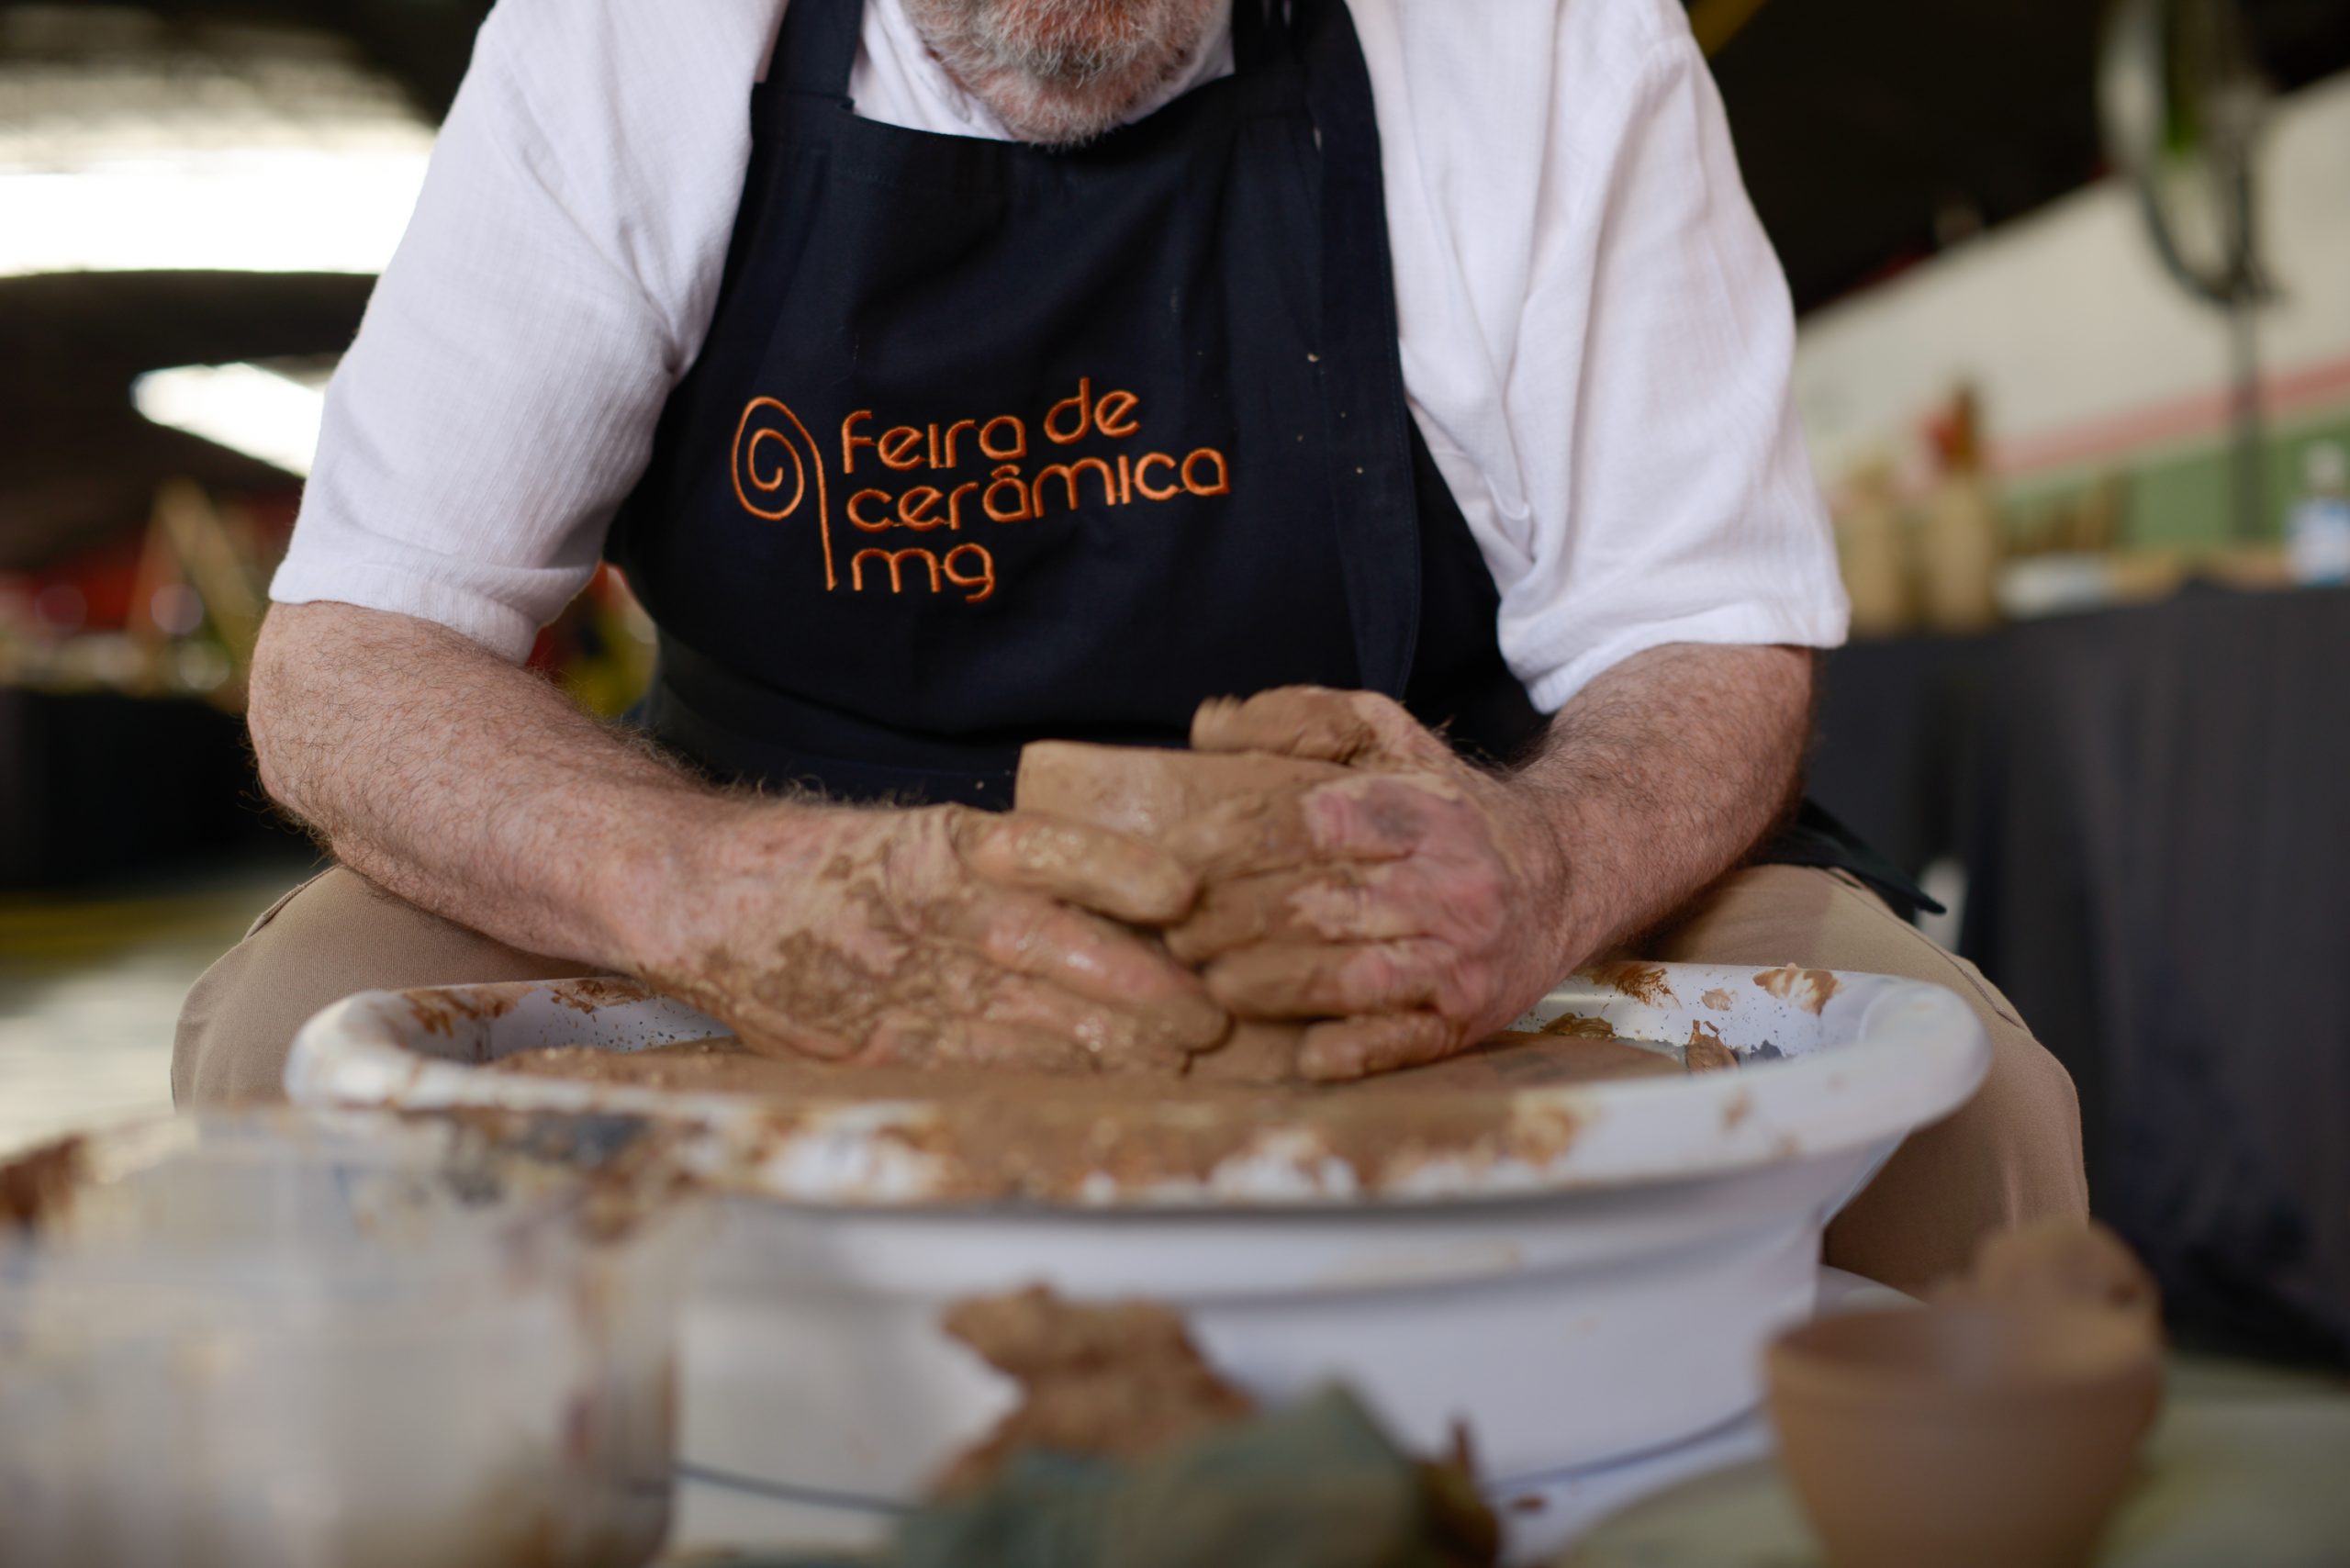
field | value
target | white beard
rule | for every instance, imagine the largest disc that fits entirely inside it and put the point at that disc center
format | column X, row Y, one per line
column 1060, row 73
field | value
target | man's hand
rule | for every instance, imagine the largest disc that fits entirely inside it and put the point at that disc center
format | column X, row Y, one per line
column 1414, row 908
column 1421, row 905
column 477, row 790
column 933, row 936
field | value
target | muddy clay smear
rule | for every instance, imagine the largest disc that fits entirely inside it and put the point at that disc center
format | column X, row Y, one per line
column 1806, row 989
column 1120, row 1381
column 1705, row 1052
column 997, row 1133
column 1641, row 983
column 1506, row 1064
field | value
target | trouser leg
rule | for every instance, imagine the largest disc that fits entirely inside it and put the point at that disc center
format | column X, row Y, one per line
column 2010, row 1155
column 334, row 935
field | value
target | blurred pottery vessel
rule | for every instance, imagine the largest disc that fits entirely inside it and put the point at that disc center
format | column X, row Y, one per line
column 1964, row 1434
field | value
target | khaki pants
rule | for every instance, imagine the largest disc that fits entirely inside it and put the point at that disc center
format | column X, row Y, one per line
column 2011, row 1154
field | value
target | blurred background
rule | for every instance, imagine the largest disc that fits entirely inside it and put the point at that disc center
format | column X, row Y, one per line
column 2074, row 282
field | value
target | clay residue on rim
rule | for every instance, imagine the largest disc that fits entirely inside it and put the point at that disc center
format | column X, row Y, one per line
column 37, row 1186
column 1705, row 1052
column 439, row 1011
column 1641, row 983
column 1806, row 989
column 591, row 992
column 989, row 1134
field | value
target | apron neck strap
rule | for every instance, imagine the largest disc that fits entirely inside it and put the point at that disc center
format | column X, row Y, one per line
column 815, row 50
column 1375, row 489
column 1260, row 36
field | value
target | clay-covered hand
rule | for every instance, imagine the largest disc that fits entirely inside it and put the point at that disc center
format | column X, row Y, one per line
column 1414, row 907
column 939, row 935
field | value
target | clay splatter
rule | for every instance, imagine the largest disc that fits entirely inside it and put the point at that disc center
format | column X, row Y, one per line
column 596, row 992
column 439, row 1011
column 1806, row 989
column 1719, row 999
column 1641, row 983
column 1575, row 1026
column 1740, row 1106
column 1705, row 1052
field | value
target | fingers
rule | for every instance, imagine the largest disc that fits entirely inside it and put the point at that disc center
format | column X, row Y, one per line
column 1338, row 902
column 916, row 1039
column 1358, row 728
column 1086, row 865
column 1094, row 961
column 1356, row 1047
column 1114, row 1039
column 1306, row 980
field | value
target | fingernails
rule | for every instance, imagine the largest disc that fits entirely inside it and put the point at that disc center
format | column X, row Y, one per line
column 1165, row 893
column 1328, row 1064
column 1197, row 1023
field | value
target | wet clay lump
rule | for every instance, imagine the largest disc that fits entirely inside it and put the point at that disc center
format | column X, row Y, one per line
column 1145, row 792
column 1120, row 1381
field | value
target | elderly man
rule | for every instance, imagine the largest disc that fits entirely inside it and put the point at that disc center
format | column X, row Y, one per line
column 945, row 373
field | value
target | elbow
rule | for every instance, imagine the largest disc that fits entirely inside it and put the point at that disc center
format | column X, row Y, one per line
column 270, row 699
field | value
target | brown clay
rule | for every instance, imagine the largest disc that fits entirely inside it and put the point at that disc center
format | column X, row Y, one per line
column 1144, row 791
column 1506, row 1063
column 1641, row 983
column 1705, row 1052
column 1806, row 989
column 1000, row 1132
column 1121, row 1381
column 1964, row 1434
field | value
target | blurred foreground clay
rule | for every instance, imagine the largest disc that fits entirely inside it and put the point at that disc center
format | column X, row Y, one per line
column 2000, row 1425
column 1121, row 1381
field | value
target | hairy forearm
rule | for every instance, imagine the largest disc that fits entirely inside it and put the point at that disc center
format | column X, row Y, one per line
column 466, row 785
column 1663, row 774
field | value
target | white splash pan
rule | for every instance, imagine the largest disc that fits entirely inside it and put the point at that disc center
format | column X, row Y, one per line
column 1569, row 1301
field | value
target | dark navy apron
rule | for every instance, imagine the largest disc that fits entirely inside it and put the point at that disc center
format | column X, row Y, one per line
column 990, row 443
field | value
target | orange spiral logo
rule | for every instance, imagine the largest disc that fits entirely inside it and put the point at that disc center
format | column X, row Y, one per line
column 766, row 475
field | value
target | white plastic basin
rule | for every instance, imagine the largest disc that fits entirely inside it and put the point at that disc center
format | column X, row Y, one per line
column 1567, row 1299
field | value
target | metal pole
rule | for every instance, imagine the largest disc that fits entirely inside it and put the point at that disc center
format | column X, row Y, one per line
column 2250, row 455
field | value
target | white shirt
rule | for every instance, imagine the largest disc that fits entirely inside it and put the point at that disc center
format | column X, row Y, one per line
column 1595, row 335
